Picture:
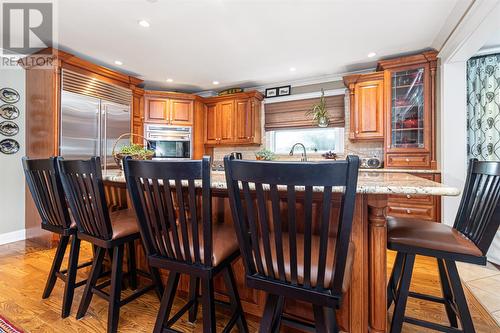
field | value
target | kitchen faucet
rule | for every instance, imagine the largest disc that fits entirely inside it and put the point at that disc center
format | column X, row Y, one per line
column 304, row 154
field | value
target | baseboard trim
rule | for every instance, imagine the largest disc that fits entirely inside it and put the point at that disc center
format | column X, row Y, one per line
column 13, row 236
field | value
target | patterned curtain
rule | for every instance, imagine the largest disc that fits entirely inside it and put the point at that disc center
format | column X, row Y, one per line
column 483, row 108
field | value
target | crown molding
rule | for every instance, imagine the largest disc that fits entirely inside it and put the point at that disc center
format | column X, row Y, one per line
column 311, row 80
column 297, row 82
column 489, row 50
column 316, row 94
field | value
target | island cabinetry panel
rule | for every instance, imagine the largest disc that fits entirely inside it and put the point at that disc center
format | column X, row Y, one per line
column 366, row 96
column 169, row 108
column 233, row 120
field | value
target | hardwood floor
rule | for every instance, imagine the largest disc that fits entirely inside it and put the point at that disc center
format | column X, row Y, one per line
column 24, row 267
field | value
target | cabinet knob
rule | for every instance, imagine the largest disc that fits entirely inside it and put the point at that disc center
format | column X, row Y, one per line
column 408, row 196
column 407, row 160
column 357, row 132
column 408, row 211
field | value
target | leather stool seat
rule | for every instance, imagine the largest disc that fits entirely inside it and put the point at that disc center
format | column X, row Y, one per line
column 419, row 236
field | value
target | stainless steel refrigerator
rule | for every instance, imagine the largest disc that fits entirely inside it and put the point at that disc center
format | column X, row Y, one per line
column 90, row 126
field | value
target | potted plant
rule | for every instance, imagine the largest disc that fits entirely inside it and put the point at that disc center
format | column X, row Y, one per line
column 265, row 155
column 319, row 112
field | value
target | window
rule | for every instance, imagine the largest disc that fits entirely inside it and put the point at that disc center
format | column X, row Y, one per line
column 316, row 140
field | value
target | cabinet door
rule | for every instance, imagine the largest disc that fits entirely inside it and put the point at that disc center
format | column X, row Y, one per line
column 211, row 124
column 408, row 123
column 244, row 121
column 226, row 110
column 368, row 110
column 181, row 112
column 156, row 110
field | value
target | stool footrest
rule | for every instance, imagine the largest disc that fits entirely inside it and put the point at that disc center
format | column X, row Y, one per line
column 425, row 297
column 431, row 325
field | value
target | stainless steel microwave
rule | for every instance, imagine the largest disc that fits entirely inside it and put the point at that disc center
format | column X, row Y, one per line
column 169, row 141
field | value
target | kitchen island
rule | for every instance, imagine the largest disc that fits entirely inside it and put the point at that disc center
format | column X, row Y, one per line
column 364, row 308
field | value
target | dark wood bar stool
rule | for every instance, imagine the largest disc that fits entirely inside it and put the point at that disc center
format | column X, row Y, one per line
column 181, row 238
column 42, row 177
column 280, row 258
column 82, row 182
column 476, row 223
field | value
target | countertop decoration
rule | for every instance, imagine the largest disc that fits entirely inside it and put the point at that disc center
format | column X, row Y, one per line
column 265, row 155
column 319, row 112
column 135, row 151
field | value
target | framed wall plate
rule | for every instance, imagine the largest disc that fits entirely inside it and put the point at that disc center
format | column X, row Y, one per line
column 9, row 111
column 9, row 146
column 8, row 128
column 9, row 95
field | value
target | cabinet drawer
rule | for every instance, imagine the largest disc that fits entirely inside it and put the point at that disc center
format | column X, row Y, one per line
column 425, row 212
column 407, row 160
column 411, row 199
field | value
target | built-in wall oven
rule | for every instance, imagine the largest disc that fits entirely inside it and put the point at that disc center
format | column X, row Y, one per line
column 174, row 142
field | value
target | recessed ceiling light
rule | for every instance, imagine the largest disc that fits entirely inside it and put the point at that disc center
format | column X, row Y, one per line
column 118, row 62
column 215, row 82
column 371, row 54
column 144, row 23
column 170, row 80
column 293, row 69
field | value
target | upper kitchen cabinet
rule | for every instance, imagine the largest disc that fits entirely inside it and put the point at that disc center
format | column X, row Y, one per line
column 168, row 108
column 410, row 107
column 366, row 100
column 233, row 120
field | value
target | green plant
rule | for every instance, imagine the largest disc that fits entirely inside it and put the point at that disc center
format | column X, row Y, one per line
column 136, row 151
column 265, row 155
column 318, row 111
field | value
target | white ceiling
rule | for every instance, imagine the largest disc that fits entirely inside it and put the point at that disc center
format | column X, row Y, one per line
column 247, row 42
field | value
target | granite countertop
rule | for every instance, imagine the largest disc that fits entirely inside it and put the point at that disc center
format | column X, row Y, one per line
column 369, row 182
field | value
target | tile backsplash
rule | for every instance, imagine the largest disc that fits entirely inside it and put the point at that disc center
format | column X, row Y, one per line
column 362, row 148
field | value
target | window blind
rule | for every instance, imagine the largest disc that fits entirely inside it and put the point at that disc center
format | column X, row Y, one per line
column 292, row 114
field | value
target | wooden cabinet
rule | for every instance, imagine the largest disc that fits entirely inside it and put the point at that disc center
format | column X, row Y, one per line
column 425, row 207
column 366, row 96
column 410, row 110
column 137, row 115
column 233, row 120
column 166, row 108
column 212, row 123
column 181, row 112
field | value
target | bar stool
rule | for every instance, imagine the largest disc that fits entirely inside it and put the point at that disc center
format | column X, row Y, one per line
column 476, row 223
column 42, row 177
column 283, row 256
column 179, row 236
column 82, row 183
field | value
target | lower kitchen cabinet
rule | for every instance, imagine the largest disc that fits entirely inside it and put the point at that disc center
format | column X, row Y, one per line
column 424, row 207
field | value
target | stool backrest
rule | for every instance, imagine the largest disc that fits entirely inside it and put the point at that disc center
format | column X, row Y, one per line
column 478, row 216
column 82, row 182
column 167, row 207
column 283, row 183
column 44, row 182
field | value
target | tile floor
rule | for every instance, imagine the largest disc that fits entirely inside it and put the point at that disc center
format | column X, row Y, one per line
column 484, row 283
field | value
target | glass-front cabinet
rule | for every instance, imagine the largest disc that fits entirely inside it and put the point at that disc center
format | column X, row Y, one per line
column 407, row 109
column 409, row 86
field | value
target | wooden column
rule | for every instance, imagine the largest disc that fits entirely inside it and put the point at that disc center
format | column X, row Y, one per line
column 377, row 240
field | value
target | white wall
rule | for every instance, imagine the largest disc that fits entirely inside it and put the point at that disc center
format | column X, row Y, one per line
column 481, row 21
column 11, row 175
